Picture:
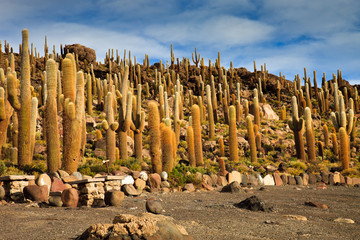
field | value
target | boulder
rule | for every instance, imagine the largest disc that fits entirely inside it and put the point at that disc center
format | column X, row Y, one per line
column 269, row 180
column 269, row 112
column 57, row 185
column 312, row 179
column 305, row 178
column 139, row 184
column 253, row 203
column 83, row 53
column 55, row 199
column 291, row 180
column 154, row 181
column 130, row 190
column 233, row 187
column 154, row 206
column 2, row 193
column 299, row 180
column 189, row 187
column 128, row 180
column 164, row 176
column 146, row 226
column 36, row 193
column 144, row 176
column 70, row 197
column 44, row 180
column 277, row 179
column 114, row 198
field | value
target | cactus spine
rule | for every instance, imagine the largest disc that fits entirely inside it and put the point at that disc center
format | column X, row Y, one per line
column 195, row 114
column 233, row 143
column 154, row 133
column 251, row 139
column 297, row 126
column 51, row 119
column 310, row 138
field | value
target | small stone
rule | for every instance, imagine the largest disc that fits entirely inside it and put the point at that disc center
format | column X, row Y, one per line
column 55, row 201
column 154, row 180
column 331, row 179
column 164, row 176
column 130, row 190
column 53, row 175
column 154, row 206
column 259, row 178
column 44, row 180
column 68, row 179
column 269, row 180
column 143, row 176
column 77, row 175
column 62, row 173
column 284, row 178
column 344, row 220
column 312, row 179
column 70, row 197
column 165, row 184
column 299, row 180
column 2, row 193
column 317, row 205
column 189, row 187
column 253, row 203
column 207, row 186
column 116, row 173
column 244, row 180
column 139, row 184
column 208, row 180
column 305, row 178
column 355, row 180
column 291, row 180
column 98, row 203
column 67, row 186
column 236, row 176
column 342, row 179
column 321, row 185
column 36, row 193
column 336, row 178
column 57, row 185
column 233, row 187
column 348, row 180
column 222, row 181
column 296, row 217
column 252, row 181
column 114, row 198
column 325, row 177
column 277, row 179
column 128, row 180
column 135, row 174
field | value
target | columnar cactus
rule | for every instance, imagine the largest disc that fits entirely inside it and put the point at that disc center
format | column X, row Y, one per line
column 196, row 60
column 34, row 113
column 221, row 147
column 210, row 113
column 196, row 125
column 139, row 123
column 110, row 126
column 326, row 135
column 233, row 142
column 344, row 148
column 167, row 148
column 256, row 108
column 23, row 105
column 310, row 137
column 190, row 146
column 213, row 98
column 51, row 119
column 89, row 98
column 283, row 113
column 251, row 139
column 154, row 133
column 297, row 126
column 339, row 117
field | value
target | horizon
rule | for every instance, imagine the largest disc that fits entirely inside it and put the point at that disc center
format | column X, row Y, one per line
column 318, row 35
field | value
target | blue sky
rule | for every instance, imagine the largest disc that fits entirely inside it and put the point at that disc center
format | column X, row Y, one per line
column 287, row 35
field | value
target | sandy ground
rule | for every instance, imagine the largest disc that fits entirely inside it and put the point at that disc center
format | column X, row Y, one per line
column 205, row 215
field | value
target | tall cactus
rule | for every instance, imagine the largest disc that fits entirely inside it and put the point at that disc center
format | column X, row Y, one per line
column 34, row 113
column 251, row 139
column 256, row 108
column 297, row 126
column 23, row 105
column 195, row 113
column 233, row 142
column 339, row 117
column 110, row 125
column 51, row 119
column 167, row 148
column 310, row 137
column 139, row 122
column 210, row 113
column 344, row 148
column 190, row 146
column 154, row 133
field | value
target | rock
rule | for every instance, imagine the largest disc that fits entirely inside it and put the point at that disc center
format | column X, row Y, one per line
column 69, row 179
column 77, row 175
column 70, row 197
column 209, row 146
column 143, row 176
column 244, row 181
column 271, row 168
column 305, row 178
column 222, row 181
column 165, row 184
column 269, row 180
column 312, row 179
column 342, row 179
column 296, row 217
column 260, row 179
column 189, row 187
column 164, row 176
column 36, row 193
column 139, row 184
column 130, row 190
column 344, row 220
column 243, row 143
column 318, row 177
column 233, row 187
column 83, row 53
column 55, row 199
column 135, row 174
column 235, row 176
column 299, row 180
column 62, row 173
column 269, row 112
column 154, row 206
column 128, row 180
column 317, row 205
column 57, row 185
column 44, row 180
column 252, row 181
column 147, row 226
column 53, row 175
column 115, row 173
column 207, row 186
column 321, row 185
column 154, row 181
column 2, row 193
column 114, row 198
column 208, row 180
column 98, row 203
column 253, row 203
column 291, row 180
column 325, row 177
column 277, row 179
column 355, row 180
column 67, row 186
column 284, row 178
column 336, row 178
column 348, row 180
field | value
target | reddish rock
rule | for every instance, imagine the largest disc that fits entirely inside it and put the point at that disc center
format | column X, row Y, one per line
column 317, row 205
column 135, row 174
column 118, row 173
column 139, row 184
column 355, row 180
column 155, row 180
column 36, row 193
column 130, row 190
column 207, row 186
column 57, row 185
column 222, row 181
column 208, row 180
column 189, row 187
column 321, row 185
column 70, row 197
column 277, row 179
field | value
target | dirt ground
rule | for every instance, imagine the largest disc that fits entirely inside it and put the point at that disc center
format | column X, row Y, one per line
column 205, row 215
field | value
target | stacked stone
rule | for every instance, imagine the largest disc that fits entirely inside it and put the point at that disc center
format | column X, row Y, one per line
column 90, row 191
column 14, row 186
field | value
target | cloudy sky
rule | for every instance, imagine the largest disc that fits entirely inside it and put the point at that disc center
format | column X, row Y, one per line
column 321, row 35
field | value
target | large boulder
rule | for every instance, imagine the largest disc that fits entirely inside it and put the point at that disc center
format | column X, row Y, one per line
column 146, row 226
column 83, row 53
